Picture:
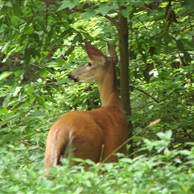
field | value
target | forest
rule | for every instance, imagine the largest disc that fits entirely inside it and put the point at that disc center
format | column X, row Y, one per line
column 41, row 41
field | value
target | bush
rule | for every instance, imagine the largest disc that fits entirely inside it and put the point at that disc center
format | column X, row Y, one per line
column 154, row 169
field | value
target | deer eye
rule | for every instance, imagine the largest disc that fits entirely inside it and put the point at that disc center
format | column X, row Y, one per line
column 89, row 64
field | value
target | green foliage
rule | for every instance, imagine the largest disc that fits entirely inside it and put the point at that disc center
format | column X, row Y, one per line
column 167, row 171
column 41, row 41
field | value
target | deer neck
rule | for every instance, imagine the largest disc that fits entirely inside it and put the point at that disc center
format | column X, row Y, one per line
column 109, row 95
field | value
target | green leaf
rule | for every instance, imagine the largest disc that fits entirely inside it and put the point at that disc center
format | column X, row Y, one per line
column 104, row 8
column 165, row 136
column 17, row 90
column 126, row 160
column 5, row 74
column 63, row 81
column 149, row 144
column 185, row 152
column 44, row 72
column 90, row 162
column 124, row 13
column 30, row 91
column 68, row 4
column 40, row 100
column 5, row 47
column 3, row 111
column 89, row 14
column 163, row 4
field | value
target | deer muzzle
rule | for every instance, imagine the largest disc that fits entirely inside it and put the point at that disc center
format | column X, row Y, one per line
column 70, row 76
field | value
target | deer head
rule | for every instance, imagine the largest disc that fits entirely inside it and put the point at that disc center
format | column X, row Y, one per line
column 95, row 69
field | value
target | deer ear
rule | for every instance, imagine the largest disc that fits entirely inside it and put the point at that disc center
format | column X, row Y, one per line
column 112, row 53
column 95, row 54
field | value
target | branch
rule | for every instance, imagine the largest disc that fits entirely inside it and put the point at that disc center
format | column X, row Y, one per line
column 112, row 21
column 146, row 93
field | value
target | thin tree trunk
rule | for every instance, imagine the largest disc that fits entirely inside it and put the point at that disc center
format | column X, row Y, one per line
column 124, row 72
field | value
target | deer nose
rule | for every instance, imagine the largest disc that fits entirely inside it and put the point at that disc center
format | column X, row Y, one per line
column 70, row 76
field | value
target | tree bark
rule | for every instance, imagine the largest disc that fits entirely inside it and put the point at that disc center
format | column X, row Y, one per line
column 124, row 72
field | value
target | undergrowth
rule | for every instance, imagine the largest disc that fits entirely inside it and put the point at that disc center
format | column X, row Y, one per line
column 155, row 168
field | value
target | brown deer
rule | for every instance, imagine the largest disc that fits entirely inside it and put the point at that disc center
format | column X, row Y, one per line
column 96, row 135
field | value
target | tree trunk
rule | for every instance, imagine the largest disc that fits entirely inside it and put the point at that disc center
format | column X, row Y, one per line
column 124, row 72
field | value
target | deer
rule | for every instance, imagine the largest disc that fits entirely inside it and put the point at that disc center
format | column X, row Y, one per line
column 97, row 134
